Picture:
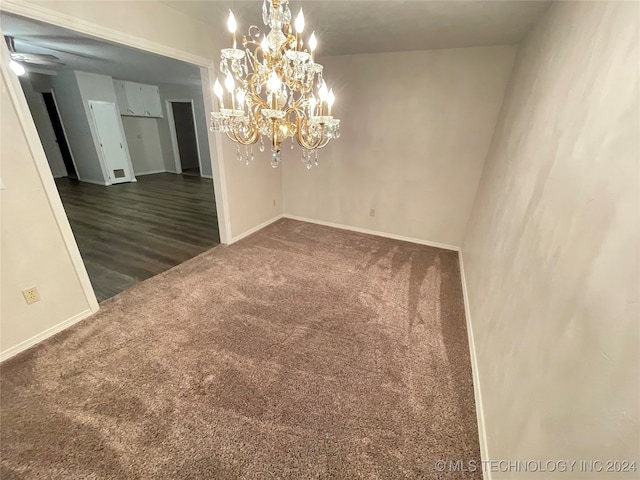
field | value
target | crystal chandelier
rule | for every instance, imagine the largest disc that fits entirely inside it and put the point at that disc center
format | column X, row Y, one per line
column 274, row 89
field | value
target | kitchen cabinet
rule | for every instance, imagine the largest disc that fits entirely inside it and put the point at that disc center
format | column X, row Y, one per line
column 137, row 99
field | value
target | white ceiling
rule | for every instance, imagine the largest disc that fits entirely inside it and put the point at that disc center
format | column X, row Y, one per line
column 343, row 27
column 370, row 26
column 80, row 52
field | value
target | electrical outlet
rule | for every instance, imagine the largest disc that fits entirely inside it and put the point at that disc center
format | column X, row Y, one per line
column 274, row 203
column 372, row 212
column 31, row 295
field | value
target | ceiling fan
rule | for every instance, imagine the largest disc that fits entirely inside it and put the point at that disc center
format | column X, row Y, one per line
column 31, row 58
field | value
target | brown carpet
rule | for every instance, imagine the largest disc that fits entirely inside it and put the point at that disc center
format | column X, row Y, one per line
column 300, row 352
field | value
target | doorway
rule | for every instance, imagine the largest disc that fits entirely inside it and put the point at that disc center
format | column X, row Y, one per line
column 41, row 19
column 60, row 135
column 186, row 149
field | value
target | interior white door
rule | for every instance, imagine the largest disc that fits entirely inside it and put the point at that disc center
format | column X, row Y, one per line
column 109, row 131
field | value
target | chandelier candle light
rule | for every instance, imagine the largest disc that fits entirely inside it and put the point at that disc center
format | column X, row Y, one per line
column 270, row 88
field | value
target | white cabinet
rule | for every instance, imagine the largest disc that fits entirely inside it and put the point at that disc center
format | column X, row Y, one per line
column 137, row 99
column 150, row 99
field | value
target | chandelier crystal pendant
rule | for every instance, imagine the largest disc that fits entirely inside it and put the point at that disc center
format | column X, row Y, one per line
column 273, row 88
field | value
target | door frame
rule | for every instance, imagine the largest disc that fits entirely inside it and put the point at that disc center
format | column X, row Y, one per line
column 105, row 164
column 41, row 164
column 64, row 131
column 174, row 135
column 208, row 71
column 48, row 138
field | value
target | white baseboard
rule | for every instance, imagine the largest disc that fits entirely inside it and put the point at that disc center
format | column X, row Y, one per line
column 254, row 229
column 10, row 352
column 94, row 182
column 482, row 432
column 345, row 227
column 210, row 177
column 374, row 232
column 152, row 172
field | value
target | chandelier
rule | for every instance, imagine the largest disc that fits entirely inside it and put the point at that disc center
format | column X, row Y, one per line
column 274, row 88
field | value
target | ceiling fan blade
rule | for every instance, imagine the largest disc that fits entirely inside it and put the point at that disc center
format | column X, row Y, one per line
column 10, row 43
column 31, row 58
column 36, row 58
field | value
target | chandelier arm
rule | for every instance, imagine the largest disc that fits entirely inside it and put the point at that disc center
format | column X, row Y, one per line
column 324, row 140
column 309, row 146
column 253, row 138
column 295, row 85
column 304, row 89
column 254, row 132
column 258, row 100
column 254, row 60
column 297, row 111
column 249, row 140
column 292, row 126
column 253, row 126
column 264, row 56
column 290, row 41
column 231, row 136
column 298, row 104
column 324, row 143
column 302, row 141
column 251, row 78
column 255, row 36
column 255, row 117
column 274, row 136
column 253, row 56
column 250, row 83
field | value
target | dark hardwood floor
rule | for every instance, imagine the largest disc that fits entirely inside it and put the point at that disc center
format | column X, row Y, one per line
column 191, row 171
column 132, row 231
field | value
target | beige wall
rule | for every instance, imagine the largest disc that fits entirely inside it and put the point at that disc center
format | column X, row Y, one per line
column 257, row 186
column 147, row 20
column 33, row 251
column 416, row 127
column 48, row 263
column 551, row 254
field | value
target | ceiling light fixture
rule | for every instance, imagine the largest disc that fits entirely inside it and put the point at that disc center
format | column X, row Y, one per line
column 17, row 68
column 271, row 86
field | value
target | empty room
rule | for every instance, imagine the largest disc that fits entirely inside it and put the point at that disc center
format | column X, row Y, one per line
column 425, row 240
